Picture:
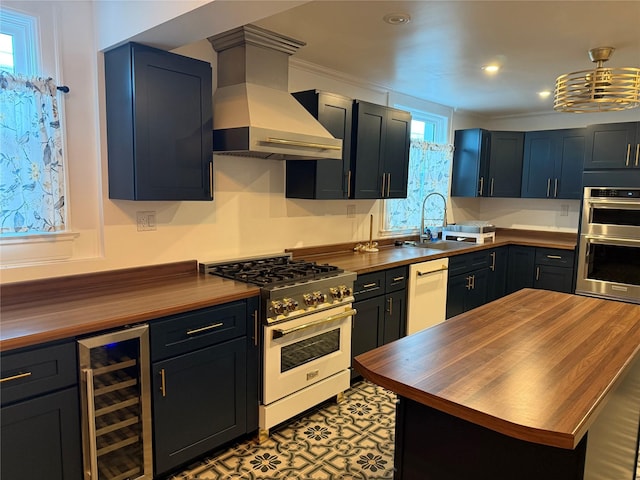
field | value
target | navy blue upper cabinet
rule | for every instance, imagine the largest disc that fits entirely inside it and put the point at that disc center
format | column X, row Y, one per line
column 323, row 179
column 159, row 125
column 379, row 151
column 487, row 164
column 613, row 145
column 553, row 163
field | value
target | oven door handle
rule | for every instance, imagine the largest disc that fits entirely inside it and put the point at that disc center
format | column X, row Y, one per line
column 611, row 240
column 616, row 204
column 281, row 332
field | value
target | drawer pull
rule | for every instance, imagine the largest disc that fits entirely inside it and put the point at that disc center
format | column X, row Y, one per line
column 554, row 257
column 397, row 279
column 204, row 329
column 15, row 377
column 370, row 285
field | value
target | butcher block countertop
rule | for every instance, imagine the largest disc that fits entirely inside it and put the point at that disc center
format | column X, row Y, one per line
column 390, row 256
column 36, row 312
column 534, row 365
column 51, row 309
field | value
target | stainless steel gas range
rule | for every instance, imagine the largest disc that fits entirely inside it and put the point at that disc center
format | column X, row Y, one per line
column 306, row 312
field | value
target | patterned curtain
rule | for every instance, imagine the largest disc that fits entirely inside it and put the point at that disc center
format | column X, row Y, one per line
column 429, row 171
column 31, row 161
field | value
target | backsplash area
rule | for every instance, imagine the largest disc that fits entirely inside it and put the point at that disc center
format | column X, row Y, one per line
column 522, row 213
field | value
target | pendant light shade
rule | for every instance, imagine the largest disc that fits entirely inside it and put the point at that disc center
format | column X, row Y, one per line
column 598, row 90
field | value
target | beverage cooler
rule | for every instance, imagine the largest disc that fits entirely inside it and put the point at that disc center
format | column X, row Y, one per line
column 116, row 405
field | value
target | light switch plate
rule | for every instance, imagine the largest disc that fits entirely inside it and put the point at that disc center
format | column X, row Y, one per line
column 146, row 221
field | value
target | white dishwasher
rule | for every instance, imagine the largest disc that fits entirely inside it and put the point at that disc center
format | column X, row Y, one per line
column 427, row 294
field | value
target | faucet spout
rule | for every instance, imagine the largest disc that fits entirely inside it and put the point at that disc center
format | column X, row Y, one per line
column 444, row 216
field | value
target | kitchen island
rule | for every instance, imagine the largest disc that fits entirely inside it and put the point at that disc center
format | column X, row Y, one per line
column 535, row 385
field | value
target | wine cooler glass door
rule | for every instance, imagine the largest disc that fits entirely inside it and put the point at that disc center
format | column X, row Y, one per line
column 116, row 406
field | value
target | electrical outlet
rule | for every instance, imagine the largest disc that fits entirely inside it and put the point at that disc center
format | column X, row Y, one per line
column 564, row 210
column 351, row 211
column 146, row 221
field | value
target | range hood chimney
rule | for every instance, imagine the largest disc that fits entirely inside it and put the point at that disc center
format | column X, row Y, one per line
column 254, row 114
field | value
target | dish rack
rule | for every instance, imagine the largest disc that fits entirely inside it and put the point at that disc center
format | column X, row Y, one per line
column 479, row 232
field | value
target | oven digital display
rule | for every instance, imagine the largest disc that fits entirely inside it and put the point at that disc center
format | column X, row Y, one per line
column 309, row 349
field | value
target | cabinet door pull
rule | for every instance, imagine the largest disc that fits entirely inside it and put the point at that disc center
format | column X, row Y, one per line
column 203, row 329
column 637, row 154
column 548, row 186
column 15, row 377
column 388, row 184
column 481, row 186
column 555, row 257
column 370, row 285
column 491, row 188
column 384, row 177
column 349, row 184
column 493, row 261
column 390, row 302
column 473, row 282
column 628, row 154
column 555, row 188
column 468, row 285
column 163, row 385
column 537, row 273
column 255, row 328
column 211, row 179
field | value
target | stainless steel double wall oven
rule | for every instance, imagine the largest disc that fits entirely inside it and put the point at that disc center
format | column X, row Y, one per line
column 609, row 245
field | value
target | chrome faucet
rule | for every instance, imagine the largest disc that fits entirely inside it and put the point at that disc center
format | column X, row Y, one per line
column 444, row 217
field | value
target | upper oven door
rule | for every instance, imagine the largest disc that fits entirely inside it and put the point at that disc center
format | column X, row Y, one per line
column 305, row 350
column 614, row 216
column 609, row 267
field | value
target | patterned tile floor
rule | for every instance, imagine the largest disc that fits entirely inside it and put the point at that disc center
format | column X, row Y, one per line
column 352, row 440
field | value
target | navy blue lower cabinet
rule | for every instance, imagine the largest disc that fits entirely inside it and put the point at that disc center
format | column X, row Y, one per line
column 199, row 402
column 40, row 438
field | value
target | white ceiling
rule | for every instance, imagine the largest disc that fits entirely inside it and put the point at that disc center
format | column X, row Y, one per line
column 438, row 55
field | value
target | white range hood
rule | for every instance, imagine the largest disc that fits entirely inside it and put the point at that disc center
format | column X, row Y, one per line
column 253, row 112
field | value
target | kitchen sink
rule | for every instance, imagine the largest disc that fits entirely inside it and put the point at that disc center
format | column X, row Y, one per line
column 444, row 245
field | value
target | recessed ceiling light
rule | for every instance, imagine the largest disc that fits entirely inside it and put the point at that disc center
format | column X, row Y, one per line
column 397, row 18
column 491, row 68
column 544, row 93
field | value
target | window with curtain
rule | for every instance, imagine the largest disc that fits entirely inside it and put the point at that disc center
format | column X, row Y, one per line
column 430, row 160
column 32, row 187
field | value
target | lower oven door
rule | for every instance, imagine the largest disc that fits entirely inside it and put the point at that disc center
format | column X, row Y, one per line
column 300, row 352
column 609, row 268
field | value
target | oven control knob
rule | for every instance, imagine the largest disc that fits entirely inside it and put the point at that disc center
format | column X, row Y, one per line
column 348, row 291
column 337, row 293
column 320, row 297
column 289, row 304
column 277, row 307
column 309, row 299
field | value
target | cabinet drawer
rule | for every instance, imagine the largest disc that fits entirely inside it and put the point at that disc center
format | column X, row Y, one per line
column 469, row 261
column 554, row 257
column 183, row 333
column 369, row 285
column 33, row 372
column 395, row 279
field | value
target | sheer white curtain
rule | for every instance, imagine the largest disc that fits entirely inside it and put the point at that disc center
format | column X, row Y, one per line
column 429, row 171
column 31, row 158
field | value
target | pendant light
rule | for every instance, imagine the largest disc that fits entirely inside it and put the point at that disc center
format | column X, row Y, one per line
column 602, row 89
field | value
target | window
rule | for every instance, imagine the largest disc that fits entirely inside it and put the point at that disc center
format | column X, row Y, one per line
column 429, row 171
column 32, row 187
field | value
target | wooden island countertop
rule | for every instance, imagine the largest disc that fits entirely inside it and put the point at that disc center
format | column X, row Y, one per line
column 535, row 365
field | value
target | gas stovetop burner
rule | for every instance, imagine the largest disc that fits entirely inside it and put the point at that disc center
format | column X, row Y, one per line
column 271, row 271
